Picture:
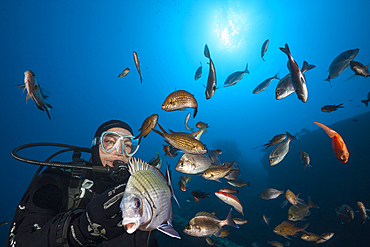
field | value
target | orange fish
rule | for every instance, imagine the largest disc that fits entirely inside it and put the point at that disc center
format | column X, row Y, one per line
column 339, row 147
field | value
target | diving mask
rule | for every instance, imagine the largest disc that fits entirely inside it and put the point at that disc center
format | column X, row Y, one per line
column 117, row 143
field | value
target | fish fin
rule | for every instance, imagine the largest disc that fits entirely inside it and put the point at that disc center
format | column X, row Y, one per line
column 218, row 233
column 206, row 52
column 349, row 78
column 47, row 112
column 246, row 68
column 195, row 112
column 311, row 204
column 339, row 106
column 263, row 59
column 292, row 137
column 303, row 228
column 366, row 102
column 168, row 176
column 307, row 67
column 331, row 133
column 207, row 195
column 218, row 180
column 48, row 106
column 170, row 231
column 229, row 220
column 248, row 184
column 196, row 199
column 285, row 49
column 285, row 236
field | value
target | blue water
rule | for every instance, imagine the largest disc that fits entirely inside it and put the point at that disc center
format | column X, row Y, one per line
column 77, row 49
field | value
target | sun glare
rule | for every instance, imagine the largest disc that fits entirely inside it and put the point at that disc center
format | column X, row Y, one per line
column 230, row 26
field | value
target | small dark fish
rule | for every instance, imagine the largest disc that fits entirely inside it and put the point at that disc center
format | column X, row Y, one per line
column 359, row 68
column 271, row 193
column 275, row 140
column 199, row 195
column 239, row 183
column 137, row 63
column 305, row 159
column 345, row 213
column 147, row 126
column 124, row 72
column 170, row 151
column 366, row 101
column 330, row 108
column 341, row 62
column 212, row 81
column 355, row 120
column 235, row 77
column 264, row 48
column 198, row 73
column 179, row 100
column 4, row 223
column 362, row 210
column 156, row 161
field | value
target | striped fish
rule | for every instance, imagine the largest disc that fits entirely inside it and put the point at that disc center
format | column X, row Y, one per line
column 183, row 141
column 146, row 203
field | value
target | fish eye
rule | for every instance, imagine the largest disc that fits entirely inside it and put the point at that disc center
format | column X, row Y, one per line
column 136, row 203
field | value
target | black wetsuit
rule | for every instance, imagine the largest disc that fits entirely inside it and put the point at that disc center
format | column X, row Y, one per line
column 39, row 216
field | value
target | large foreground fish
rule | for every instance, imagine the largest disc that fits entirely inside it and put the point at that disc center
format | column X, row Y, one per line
column 212, row 81
column 340, row 63
column 235, row 77
column 296, row 75
column 34, row 92
column 146, row 203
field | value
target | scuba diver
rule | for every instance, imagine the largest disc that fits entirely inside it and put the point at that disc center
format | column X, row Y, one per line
column 77, row 203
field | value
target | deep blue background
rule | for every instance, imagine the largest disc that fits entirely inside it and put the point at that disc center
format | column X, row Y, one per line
column 77, row 49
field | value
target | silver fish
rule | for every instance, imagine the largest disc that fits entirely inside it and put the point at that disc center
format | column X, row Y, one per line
column 279, row 152
column 285, row 87
column 202, row 226
column 239, row 183
column 235, row 77
column 198, row 73
column 193, row 163
column 186, row 122
column 146, row 203
column 359, row 69
column 305, row 159
column 212, row 81
column 262, row 86
column 271, row 193
column 264, row 48
column 299, row 82
column 340, row 63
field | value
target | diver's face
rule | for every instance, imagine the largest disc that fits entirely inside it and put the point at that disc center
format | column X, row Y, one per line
column 108, row 158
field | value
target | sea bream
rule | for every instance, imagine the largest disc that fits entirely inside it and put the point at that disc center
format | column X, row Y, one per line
column 137, row 63
column 262, row 86
column 299, row 82
column 279, row 152
column 35, row 92
column 193, row 163
column 305, row 158
column 186, row 143
column 146, row 203
column 299, row 211
column 212, row 80
column 180, row 100
column 345, row 213
column 288, row 228
column 235, row 77
column 285, row 86
column 341, row 62
column 362, row 210
column 264, row 48
column 198, row 73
